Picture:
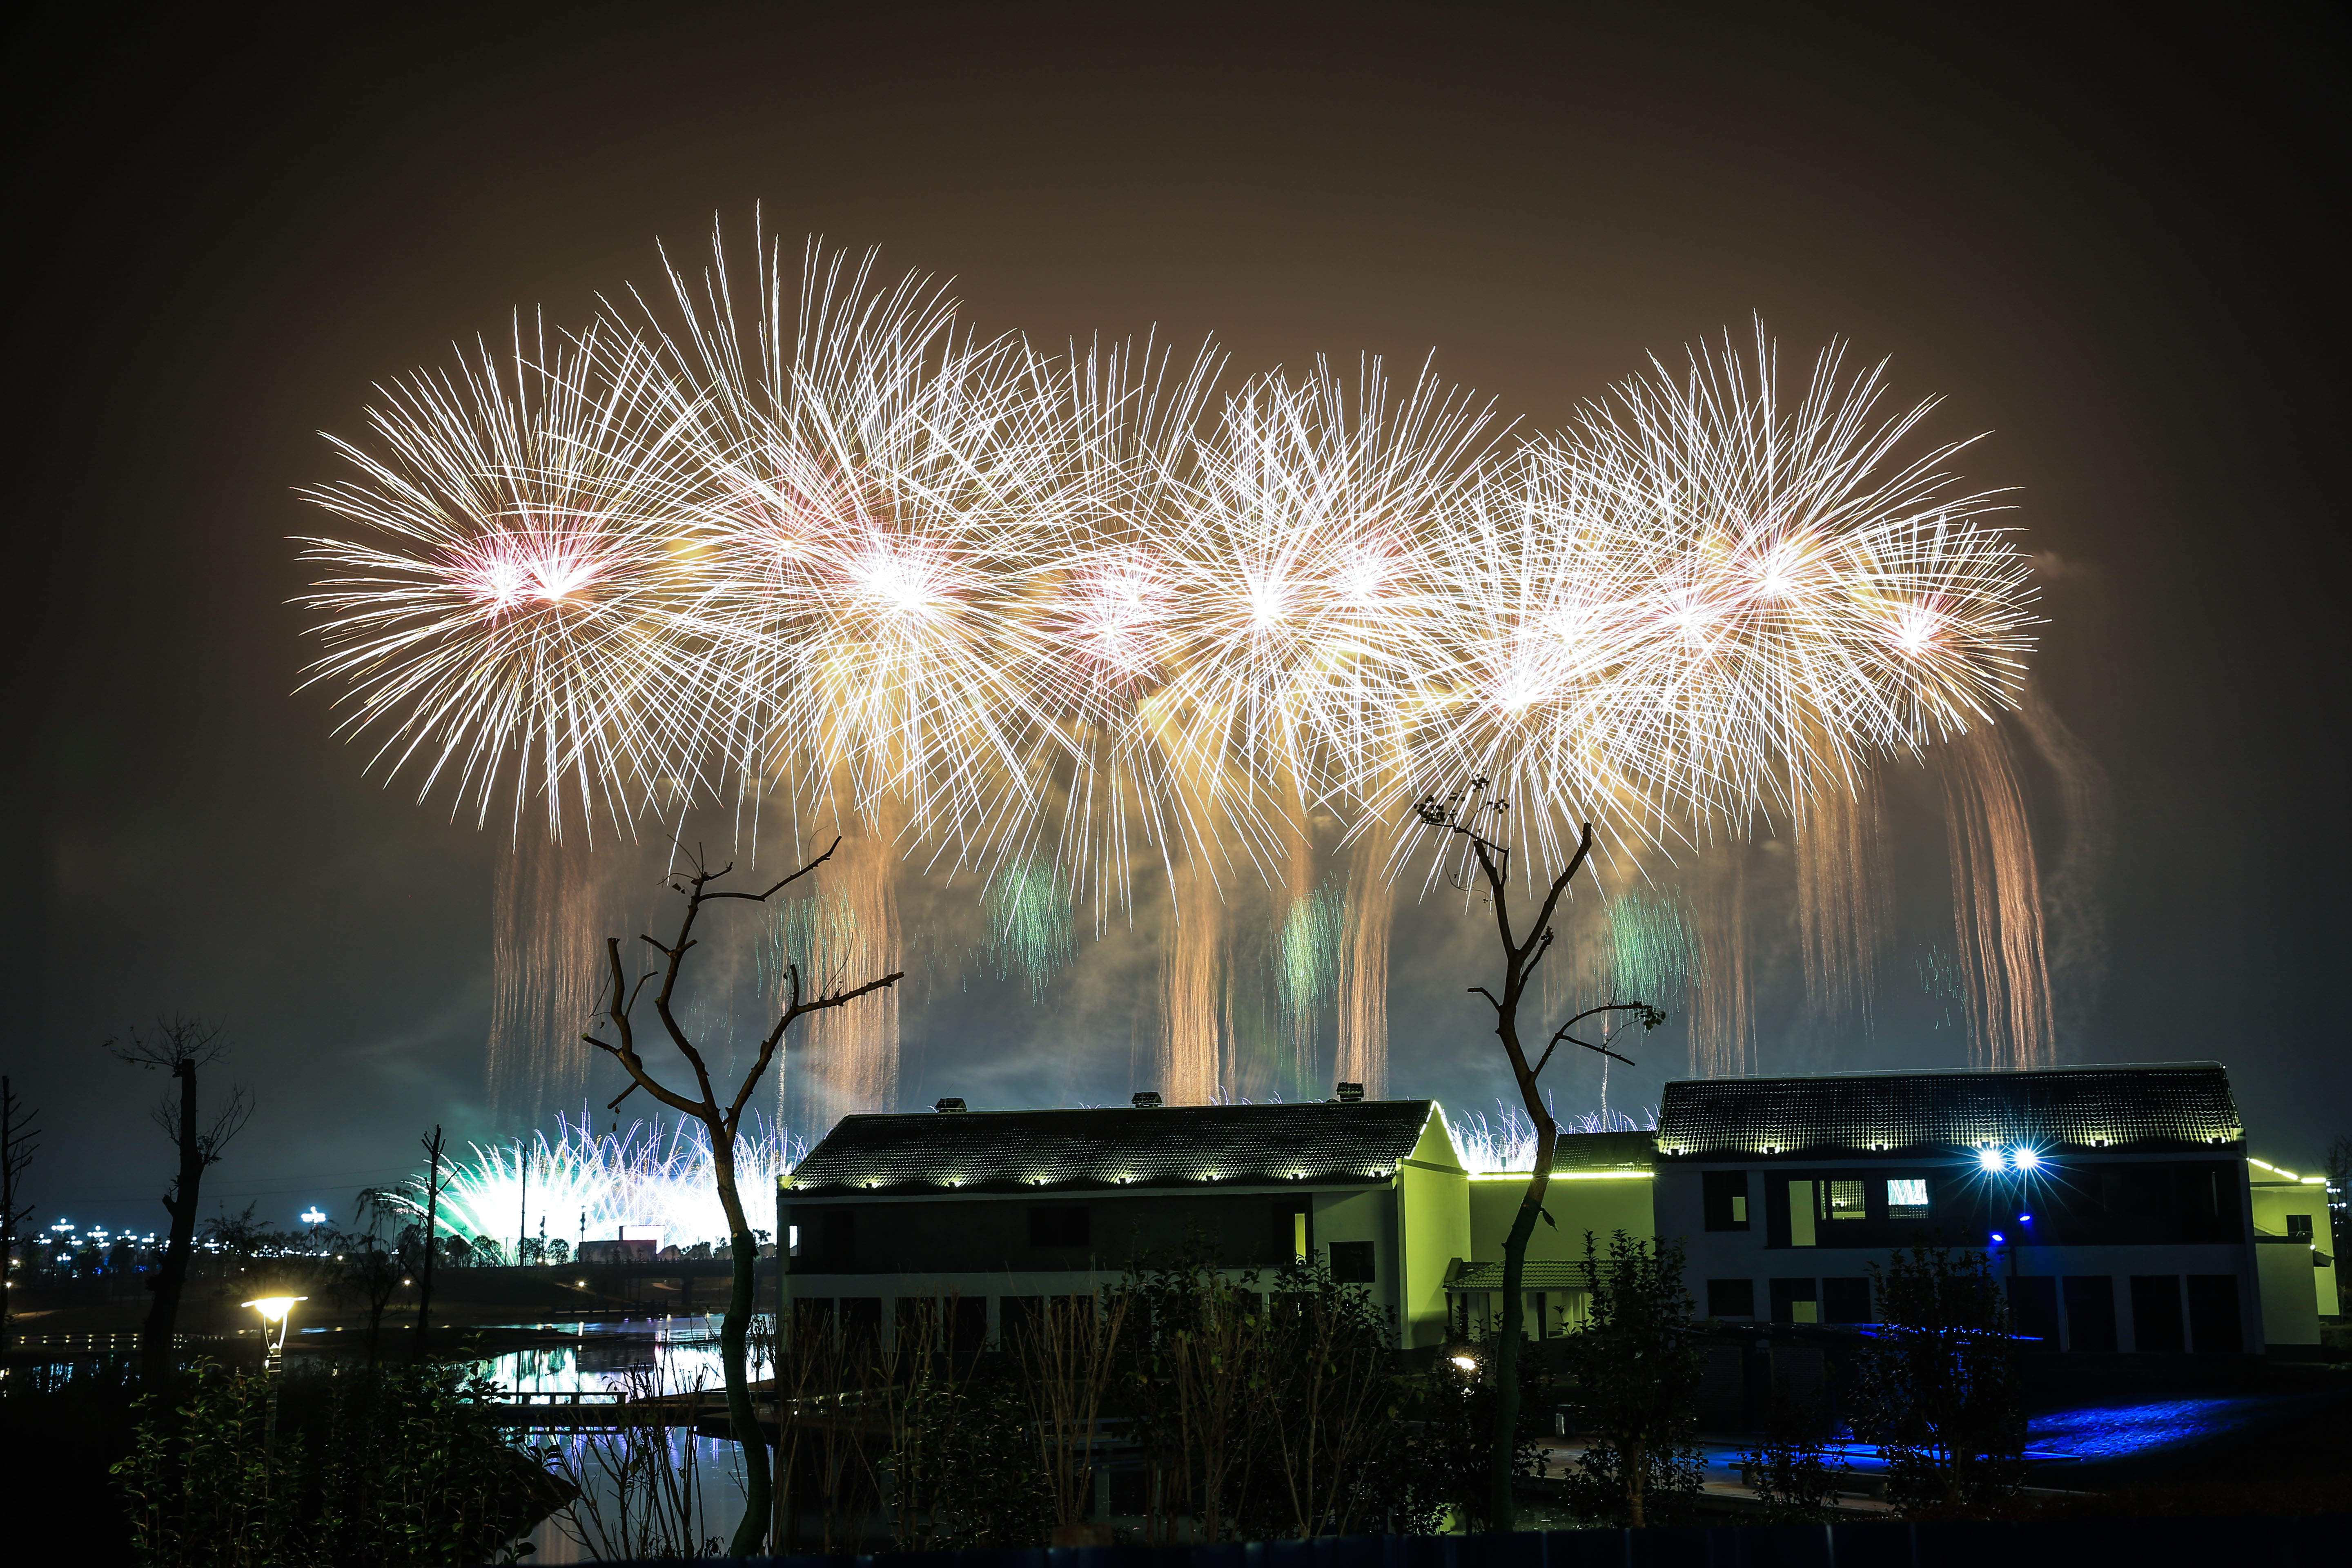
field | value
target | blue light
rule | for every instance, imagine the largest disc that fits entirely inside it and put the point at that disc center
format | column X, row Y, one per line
column 2026, row 1219
column 1998, row 1237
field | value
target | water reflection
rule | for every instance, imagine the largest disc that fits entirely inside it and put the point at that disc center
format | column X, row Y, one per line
column 633, row 1357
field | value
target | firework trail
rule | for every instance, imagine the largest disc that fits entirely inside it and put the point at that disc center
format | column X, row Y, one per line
column 546, row 937
column 1996, row 902
column 2077, row 921
column 1362, row 990
column 1843, row 913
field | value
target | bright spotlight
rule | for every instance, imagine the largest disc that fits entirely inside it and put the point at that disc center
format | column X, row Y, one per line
column 1989, row 1159
column 2027, row 1159
column 1466, row 1362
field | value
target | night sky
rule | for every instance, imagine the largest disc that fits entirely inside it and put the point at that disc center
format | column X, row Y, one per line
column 2104, row 250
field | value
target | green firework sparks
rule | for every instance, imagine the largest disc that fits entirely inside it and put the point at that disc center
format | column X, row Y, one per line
column 1030, row 928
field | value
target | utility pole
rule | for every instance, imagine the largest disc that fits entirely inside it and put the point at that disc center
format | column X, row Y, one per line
column 522, row 1201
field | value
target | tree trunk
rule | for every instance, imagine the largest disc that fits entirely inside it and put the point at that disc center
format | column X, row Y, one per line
column 432, row 1224
column 156, row 1360
column 1636, row 1460
column 753, row 1531
column 1501, row 1505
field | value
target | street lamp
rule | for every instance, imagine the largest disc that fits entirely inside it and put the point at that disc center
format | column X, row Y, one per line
column 278, row 1311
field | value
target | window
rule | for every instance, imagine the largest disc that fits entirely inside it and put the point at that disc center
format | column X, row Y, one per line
column 1907, row 1197
column 1057, row 1228
column 1845, row 1300
column 840, row 1241
column 1293, row 1239
column 1795, row 1301
column 1731, row 1297
column 1842, row 1200
column 2298, row 1228
column 1723, row 1196
column 1351, row 1262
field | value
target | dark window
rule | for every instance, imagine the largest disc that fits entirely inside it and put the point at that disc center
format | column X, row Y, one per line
column 2156, row 1313
column 2213, row 1324
column 1017, row 1321
column 1130, row 1494
column 1057, row 1228
column 968, row 1327
column 1351, row 1262
column 1731, row 1297
column 2034, row 1302
column 841, row 1241
column 2298, row 1228
column 1724, row 1194
column 861, row 1323
column 1793, row 1301
column 1845, row 1300
column 918, row 1322
column 813, row 1319
column 2090, row 1312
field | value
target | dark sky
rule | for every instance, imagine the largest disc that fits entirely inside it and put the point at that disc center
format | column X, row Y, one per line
column 2105, row 247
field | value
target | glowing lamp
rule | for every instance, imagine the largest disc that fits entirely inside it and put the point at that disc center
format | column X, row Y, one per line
column 2027, row 1159
column 1999, row 1237
column 1989, row 1159
column 273, row 1308
column 1467, row 1363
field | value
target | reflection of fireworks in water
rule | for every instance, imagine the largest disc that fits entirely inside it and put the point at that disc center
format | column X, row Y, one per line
column 646, row 1175
column 832, row 552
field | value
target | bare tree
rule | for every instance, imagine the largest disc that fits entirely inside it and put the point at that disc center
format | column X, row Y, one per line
column 721, row 1123
column 17, row 1147
column 1461, row 815
column 434, row 1184
column 181, row 1046
column 369, row 1265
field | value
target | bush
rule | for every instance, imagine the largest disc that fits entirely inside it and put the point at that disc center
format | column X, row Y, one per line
column 400, row 1466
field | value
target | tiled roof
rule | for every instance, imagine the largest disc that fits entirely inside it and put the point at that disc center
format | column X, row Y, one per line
column 1185, row 1145
column 2172, row 1105
column 1605, row 1152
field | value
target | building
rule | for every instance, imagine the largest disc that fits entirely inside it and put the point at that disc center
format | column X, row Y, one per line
column 987, row 1208
column 2290, row 1216
column 2113, row 1200
column 2118, row 1202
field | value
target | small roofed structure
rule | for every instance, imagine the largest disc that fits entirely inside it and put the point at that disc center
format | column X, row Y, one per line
column 995, row 1207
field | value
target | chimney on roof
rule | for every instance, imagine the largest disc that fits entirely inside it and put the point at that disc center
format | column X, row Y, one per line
column 950, row 1107
column 1146, row 1099
column 1350, row 1092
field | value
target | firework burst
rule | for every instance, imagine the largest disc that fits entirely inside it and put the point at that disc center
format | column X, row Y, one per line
column 822, row 543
